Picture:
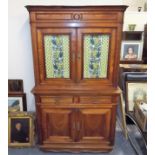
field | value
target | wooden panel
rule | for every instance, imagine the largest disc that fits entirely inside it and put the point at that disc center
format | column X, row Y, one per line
column 78, row 147
column 95, row 99
column 95, row 125
column 57, row 125
column 77, row 16
column 53, row 16
column 81, row 99
column 56, row 99
column 100, row 16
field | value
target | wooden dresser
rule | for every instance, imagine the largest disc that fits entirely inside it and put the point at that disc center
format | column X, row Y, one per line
column 76, row 51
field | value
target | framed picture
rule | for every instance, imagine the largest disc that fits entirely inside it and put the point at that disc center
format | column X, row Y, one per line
column 135, row 92
column 17, row 102
column 131, row 51
column 15, row 85
column 21, row 129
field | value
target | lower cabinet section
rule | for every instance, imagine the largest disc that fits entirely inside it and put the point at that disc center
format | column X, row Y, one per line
column 77, row 128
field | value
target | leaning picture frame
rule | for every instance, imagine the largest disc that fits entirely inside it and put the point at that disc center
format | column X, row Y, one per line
column 20, row 129
column 15, row 85
column 131, row 51
column 17, row 102
column 136, row 92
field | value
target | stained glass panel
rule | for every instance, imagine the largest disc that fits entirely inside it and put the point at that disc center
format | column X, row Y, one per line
column 96, row 49
column 57, row 56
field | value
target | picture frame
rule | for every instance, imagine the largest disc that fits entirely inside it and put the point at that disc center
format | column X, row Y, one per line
column 136, row 92
column 17, row 102
column 20, row 129
column 15, row 85
column 131, row 51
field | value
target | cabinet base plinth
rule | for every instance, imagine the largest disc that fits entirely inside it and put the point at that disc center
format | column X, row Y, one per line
column 76, row 148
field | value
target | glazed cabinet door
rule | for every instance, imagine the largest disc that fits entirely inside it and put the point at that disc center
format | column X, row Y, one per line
column 58, row 125
column 94, row 125
column 56, row 55
column 96, row 56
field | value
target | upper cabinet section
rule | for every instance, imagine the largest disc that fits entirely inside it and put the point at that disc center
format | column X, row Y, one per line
column 76, row 47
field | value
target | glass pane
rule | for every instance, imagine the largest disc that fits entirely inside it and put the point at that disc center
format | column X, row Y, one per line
column 57, row 56
column 96, row 49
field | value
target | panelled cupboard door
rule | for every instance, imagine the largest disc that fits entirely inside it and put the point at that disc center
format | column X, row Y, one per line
column 96, row 52
column 58, row 125
column 56, row 55
column 95, row 125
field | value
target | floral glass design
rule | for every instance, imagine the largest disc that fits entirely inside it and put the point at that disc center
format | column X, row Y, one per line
column 57, row 56
column 96, row 49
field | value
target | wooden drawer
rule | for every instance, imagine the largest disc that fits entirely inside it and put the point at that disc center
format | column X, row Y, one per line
column 56, row 99
column 95, row 99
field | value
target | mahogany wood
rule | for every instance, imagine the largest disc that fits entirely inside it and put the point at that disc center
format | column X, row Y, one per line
column 76, row 114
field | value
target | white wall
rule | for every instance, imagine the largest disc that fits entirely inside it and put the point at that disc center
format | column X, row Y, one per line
column 134, row 4
column 20, row 50
column 132, row 16
column 138, row 18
